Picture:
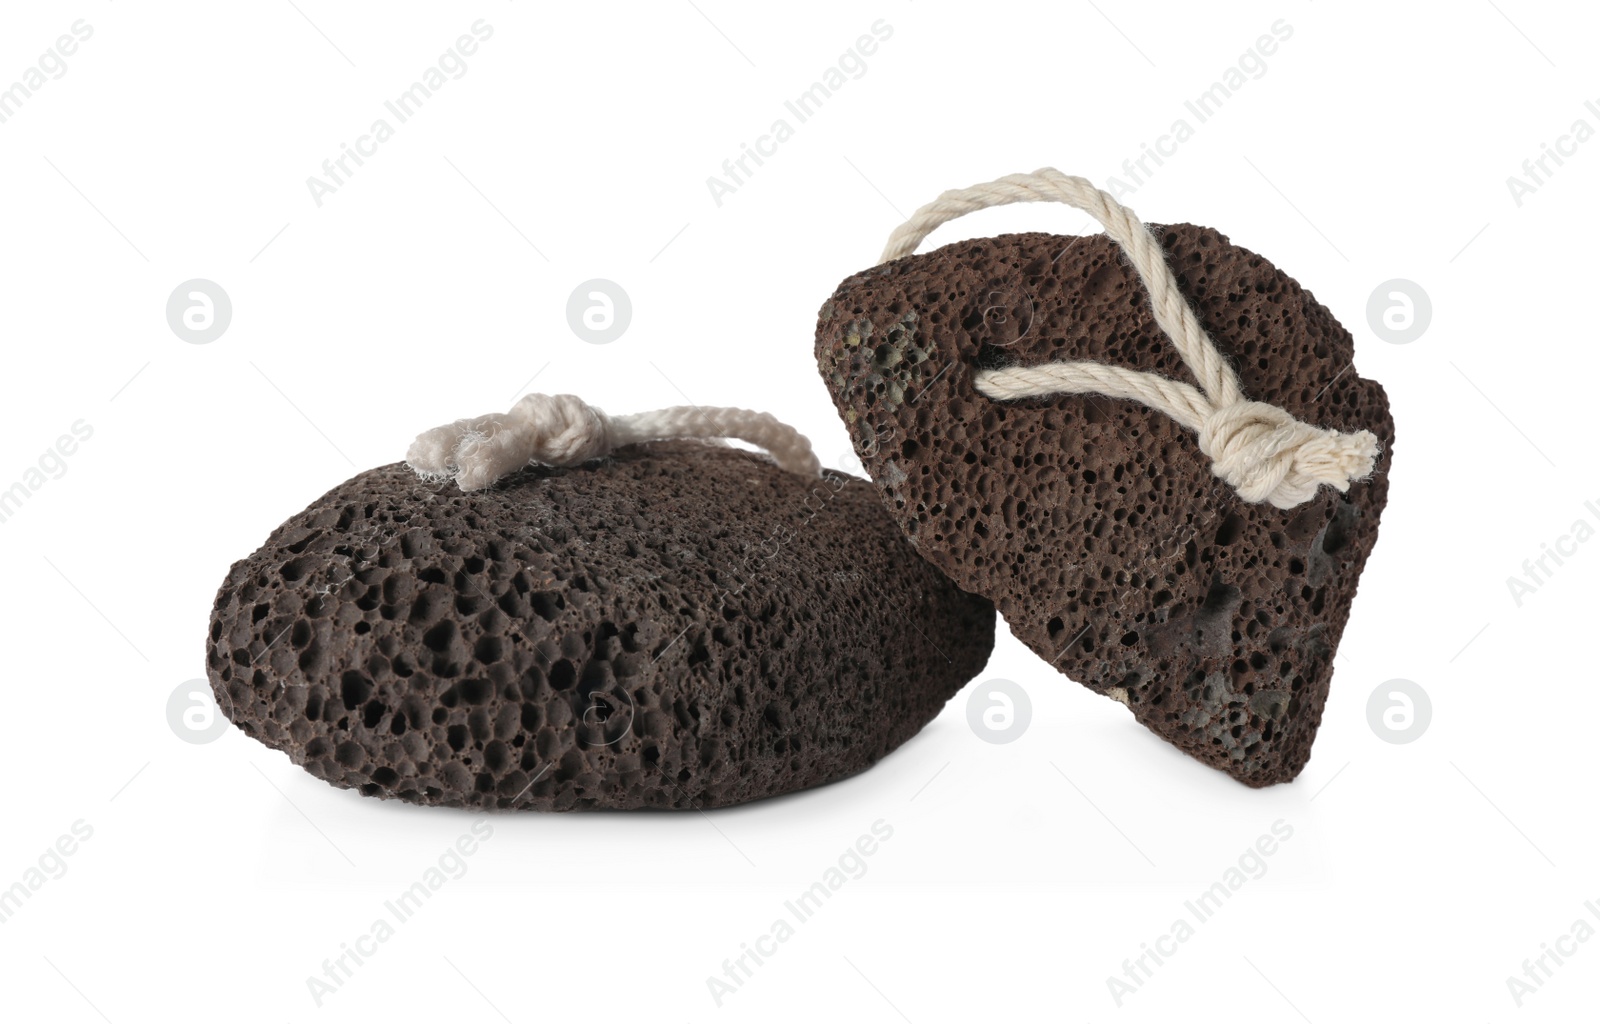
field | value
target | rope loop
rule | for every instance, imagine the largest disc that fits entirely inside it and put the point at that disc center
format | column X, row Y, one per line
column 1260, row 450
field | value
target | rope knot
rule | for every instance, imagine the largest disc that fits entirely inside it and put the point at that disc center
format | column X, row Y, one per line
column 557, row 430
column 1266, row 454
column 564, row 430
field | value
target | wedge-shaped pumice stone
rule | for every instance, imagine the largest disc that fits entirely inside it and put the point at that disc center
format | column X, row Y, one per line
column 1096, row 524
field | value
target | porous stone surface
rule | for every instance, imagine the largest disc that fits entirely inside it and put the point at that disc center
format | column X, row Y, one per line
column 1095, row 525
column 679, row 625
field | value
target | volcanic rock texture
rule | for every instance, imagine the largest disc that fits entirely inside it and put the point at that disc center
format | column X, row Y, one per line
column 678, row 625
column 1096, row 525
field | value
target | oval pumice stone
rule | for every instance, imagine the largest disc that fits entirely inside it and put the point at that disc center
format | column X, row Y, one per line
column 1096, row 525
column 679, row 625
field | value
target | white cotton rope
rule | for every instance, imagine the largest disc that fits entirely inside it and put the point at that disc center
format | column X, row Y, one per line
column 1261, row 450
column 563, row 430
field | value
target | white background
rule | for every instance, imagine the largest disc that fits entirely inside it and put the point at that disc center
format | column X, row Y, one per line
column 433, row 284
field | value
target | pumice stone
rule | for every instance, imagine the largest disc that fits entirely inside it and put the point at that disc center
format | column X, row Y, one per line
column 677, row 624
column 1152, row 452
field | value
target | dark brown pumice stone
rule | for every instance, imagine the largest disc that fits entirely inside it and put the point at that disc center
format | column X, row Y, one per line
column 1096, row 525
column 678, row 625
